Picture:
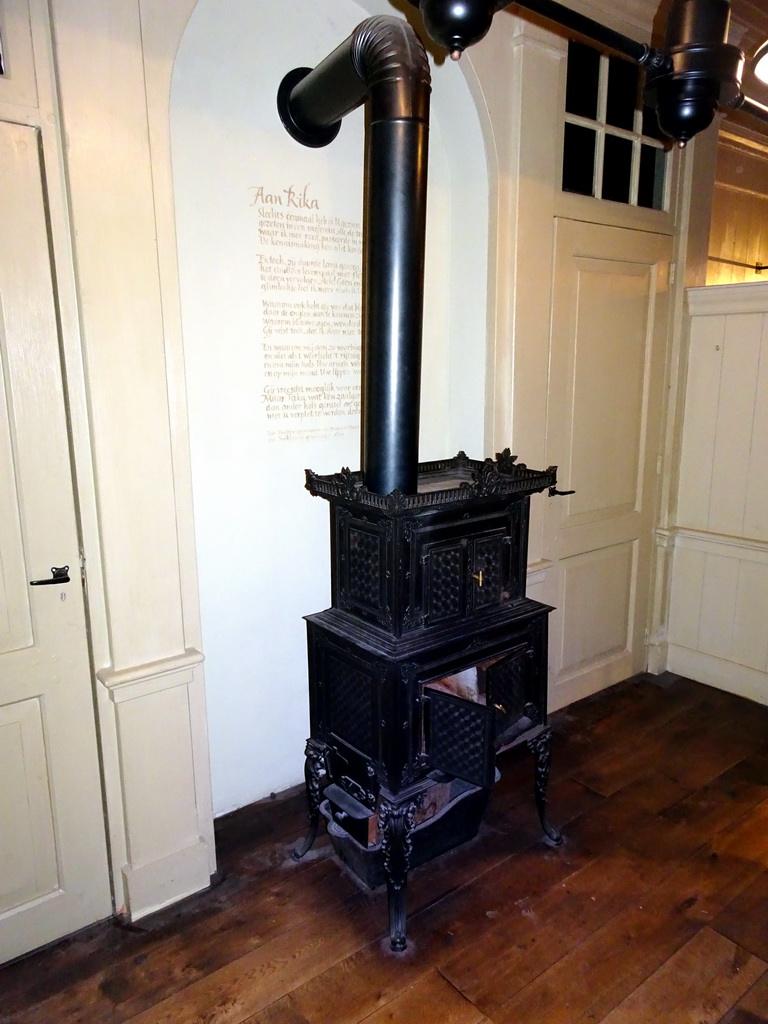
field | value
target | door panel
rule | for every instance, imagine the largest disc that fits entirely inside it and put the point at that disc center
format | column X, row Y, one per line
column 15, row 614
column 28, row 848
column 608, row 340
column 608, row 386
column 597, row 579
column 53, row 865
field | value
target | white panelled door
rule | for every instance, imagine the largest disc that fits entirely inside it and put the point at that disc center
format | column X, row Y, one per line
column 53, row 862
column 607, row 359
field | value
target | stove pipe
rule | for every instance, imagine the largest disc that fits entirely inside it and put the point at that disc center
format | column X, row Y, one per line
column 383, row 62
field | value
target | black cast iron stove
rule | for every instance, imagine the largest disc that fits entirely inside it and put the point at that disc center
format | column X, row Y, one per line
column 431, row 659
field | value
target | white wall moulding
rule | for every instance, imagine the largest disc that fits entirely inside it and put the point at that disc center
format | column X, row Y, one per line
column 128, row 683
column 167, row 849
column 723, row 299
column 157, row 884
column 723, row 674
column 657, row 633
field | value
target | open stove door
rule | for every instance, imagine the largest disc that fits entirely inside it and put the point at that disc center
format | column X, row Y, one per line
column 459, row 737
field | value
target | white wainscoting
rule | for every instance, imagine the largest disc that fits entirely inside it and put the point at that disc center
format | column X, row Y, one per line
column 718, row 616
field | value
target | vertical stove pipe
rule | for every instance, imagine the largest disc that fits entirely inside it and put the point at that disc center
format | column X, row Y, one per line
column 384, row 62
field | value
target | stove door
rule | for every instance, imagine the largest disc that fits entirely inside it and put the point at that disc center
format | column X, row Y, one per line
column 513, row 688
column 467, row 568
column 459, row 737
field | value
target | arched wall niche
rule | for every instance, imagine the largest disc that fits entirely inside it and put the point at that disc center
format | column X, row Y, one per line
column 267, row 235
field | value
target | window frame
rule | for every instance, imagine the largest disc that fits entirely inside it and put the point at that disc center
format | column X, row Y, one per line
column 635, row 136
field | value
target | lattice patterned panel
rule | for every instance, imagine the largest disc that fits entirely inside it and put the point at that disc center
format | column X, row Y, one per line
column 350, row 693
column 364, row 568
column 510, row 684
column 445, row 596
column 488, row 560
column 458, row 741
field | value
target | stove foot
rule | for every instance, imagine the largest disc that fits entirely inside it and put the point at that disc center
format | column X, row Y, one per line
column 314, row 773
column 540, row 747
column 397, row 915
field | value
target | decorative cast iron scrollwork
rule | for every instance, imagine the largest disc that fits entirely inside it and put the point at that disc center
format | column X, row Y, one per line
column 506, row 461
column 315, row 770
column 487, row 480
column 540, row 747
column 396, row 822
column 463, row 479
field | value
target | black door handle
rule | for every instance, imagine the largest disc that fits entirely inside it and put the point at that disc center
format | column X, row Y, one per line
column 57, row 576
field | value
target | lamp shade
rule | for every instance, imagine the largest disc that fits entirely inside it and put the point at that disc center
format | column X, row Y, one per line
column 760, row 63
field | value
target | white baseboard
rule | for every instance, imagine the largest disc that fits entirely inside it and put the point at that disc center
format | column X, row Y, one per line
column 149, row 887
column 725, row 675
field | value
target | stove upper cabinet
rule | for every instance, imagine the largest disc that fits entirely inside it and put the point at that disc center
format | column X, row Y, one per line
column 407, row 573
column 462, row 569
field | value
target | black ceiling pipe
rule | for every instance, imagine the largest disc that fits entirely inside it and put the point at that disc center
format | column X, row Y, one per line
column 695, row 74
column 457, row 24
column 383, row 62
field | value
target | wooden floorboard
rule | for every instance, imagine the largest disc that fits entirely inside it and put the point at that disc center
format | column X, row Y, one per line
column 654, row 911
column 700, row 982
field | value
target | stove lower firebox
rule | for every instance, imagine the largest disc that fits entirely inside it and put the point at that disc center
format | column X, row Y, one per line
column 430, row 662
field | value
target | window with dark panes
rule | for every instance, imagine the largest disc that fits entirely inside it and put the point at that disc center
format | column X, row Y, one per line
column 612, row 146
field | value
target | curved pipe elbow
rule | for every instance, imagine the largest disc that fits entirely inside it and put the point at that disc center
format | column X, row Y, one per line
column 383, row 61
column 390, row 58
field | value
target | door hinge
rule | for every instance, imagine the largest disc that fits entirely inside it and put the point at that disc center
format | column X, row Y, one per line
column 672, row 273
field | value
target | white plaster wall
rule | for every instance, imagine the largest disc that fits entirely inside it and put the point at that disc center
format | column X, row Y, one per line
column 262, row 541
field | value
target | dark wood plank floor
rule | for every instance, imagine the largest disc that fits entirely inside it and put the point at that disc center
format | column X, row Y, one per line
column 654, row 911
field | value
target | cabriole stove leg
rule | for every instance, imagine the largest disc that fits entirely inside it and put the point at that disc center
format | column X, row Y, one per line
column 395, row 826
column 540, row 747
column 314, row 770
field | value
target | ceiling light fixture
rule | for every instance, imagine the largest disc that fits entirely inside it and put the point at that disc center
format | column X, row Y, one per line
column 760, row 63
